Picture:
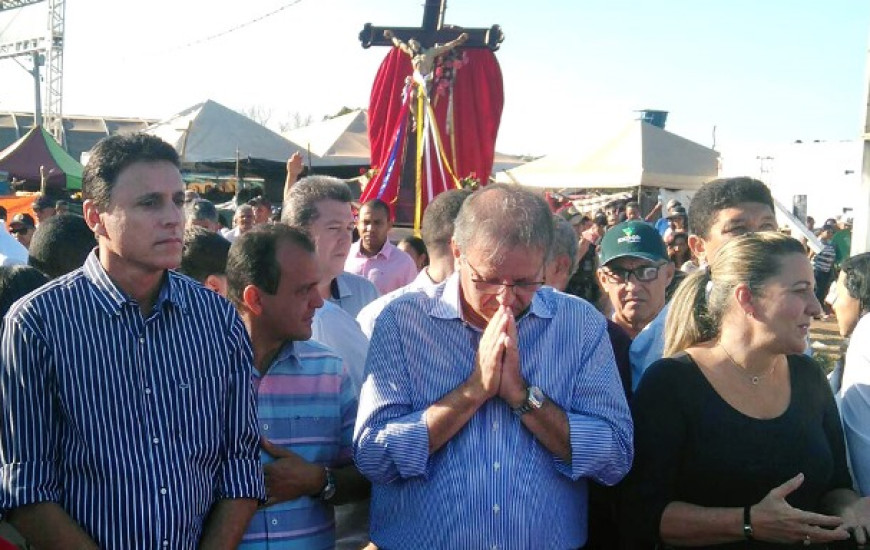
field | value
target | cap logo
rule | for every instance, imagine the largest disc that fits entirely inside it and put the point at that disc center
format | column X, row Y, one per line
column 629, row 236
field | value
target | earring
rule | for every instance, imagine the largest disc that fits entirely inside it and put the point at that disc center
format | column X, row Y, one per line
column 750, row 314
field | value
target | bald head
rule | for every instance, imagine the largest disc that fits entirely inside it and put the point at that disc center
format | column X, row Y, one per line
column 502, row 218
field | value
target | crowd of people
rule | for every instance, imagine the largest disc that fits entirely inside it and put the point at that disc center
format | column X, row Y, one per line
column 510, row 378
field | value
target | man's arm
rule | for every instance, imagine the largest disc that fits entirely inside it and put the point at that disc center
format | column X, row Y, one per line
column 568, row 433
column 290, row 476
column 47, row 525
column 227, row 523
column 239, row 475
column 549, row 424
column 294, row 168
column 394, row 440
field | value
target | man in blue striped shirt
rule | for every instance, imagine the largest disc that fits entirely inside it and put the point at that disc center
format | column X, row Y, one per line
column 128, row 414
column 306, row 401
column 487, row 405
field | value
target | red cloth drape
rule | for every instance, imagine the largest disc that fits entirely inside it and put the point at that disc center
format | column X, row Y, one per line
column 478, row 99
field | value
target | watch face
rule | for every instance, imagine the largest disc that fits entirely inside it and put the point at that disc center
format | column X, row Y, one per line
column 536, row 397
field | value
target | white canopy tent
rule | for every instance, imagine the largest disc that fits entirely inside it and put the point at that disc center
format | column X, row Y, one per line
column 344, row 141
column 210, row 132
column 639, row 155
column 339, row 141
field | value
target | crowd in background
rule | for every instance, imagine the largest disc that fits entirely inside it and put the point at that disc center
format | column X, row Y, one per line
column 510, row 378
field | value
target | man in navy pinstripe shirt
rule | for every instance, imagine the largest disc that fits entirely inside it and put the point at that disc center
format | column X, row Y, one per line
column 488, row 404
column 128, row 413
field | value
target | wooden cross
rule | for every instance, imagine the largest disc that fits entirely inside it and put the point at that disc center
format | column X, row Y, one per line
column 433, row 31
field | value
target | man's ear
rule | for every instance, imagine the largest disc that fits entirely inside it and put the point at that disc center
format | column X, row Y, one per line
column 698, row 247
column 454, row 248
column 602, row 280
column 217, row 284
column 91, row 214
column 252, row 299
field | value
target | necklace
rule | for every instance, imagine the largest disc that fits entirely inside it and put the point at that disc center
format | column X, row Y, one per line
column 754, row 379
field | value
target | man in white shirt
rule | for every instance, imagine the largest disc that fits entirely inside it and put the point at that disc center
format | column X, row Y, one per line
column 321, row 206
column 437, row 231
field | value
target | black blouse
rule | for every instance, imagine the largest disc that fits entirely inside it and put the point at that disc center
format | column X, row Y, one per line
column 692, row 446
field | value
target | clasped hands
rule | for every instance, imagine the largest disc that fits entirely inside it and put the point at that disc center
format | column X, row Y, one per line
column 497, row 364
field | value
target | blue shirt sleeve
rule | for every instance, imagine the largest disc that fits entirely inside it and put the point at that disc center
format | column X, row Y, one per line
column 29, row 435
column 391, row 438
column 241, row 475
column 599, row 418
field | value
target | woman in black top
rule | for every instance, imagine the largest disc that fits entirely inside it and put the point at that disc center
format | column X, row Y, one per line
column 737, row 438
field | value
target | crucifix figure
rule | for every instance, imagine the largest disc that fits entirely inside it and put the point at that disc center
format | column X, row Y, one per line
column 416, row 159
column 423, row 59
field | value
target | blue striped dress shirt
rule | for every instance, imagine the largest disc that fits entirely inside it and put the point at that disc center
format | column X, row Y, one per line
column 135, row 426
column 493, row 485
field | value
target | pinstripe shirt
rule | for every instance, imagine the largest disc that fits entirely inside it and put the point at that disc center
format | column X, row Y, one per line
column 135, row 426
column 306, row 402
column 493, row 485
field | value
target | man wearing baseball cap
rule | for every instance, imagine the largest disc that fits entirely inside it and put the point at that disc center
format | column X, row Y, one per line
column 22, row 228
column 634, row 272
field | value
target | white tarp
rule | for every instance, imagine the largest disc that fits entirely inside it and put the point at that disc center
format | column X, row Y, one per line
column 639, row 155
column 339, row 141
column 210, row 132
column 344, row 141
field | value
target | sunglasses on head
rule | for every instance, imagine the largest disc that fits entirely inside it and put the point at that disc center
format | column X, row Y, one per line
column 17, row 230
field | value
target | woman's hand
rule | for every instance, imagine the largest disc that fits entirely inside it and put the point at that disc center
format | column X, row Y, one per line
column 775, row 520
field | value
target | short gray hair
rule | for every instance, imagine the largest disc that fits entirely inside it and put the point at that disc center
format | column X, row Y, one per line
column 300, row 208
column 564, row 242
column 504, row 217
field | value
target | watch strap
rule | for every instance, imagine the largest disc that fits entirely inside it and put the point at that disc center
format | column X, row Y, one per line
column 747, row 522
column 328, row 490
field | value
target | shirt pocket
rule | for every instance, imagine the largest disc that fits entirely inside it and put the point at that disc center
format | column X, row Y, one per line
column 199, row 413
column 315, row 438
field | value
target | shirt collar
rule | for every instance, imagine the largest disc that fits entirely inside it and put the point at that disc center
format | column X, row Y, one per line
column 384, row 252
column 112, row 299
column 448, row 304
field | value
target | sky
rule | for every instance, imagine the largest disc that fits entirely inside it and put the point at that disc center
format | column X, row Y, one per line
column 730, row 72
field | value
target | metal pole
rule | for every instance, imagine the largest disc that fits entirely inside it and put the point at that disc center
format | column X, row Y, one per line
column 37, row 90
column 861, row 214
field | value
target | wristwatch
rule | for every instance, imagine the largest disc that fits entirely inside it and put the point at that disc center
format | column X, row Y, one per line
column 328, row 490
column 534, row 400
column 747, row 522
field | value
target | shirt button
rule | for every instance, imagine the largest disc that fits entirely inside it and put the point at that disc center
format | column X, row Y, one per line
column 163, row 491
column 496, row 508
column 265, row 427
column 142, row 341
column 147, row 391
column 165, row 543
column 494, row 547
column 274, row 522
column 496, row 466
column 156, row 441
column 495, row 426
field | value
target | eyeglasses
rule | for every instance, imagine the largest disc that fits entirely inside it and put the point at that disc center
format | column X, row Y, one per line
column 492, row 287
column 644, row 273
